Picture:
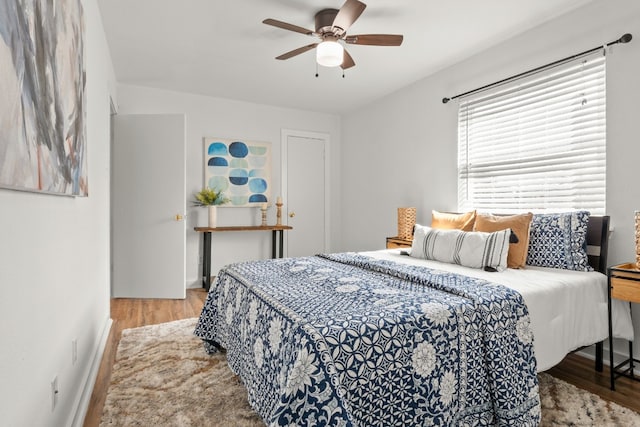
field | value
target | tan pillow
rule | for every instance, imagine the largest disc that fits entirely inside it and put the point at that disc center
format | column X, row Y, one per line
column 519, row 225
column 451, row 221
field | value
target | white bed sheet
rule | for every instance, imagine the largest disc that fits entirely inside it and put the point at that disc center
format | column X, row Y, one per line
column 568, row 309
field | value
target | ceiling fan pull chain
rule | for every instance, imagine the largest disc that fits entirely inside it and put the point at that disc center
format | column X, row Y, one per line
column 316, row 70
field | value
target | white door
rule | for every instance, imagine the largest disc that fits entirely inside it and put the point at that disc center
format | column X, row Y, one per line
column 148, row 206
column 305, row 192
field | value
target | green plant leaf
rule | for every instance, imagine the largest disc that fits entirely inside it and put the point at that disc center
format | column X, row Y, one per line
column 210, row 197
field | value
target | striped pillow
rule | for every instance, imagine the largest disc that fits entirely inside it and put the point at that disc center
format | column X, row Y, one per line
column 470, row 249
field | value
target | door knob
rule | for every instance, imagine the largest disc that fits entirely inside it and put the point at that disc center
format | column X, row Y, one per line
column 292, row 214
column 178, row 217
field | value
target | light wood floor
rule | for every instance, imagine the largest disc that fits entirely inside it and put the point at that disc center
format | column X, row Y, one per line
column 131, row 313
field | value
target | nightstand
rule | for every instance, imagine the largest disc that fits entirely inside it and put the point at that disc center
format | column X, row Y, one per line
column 398, row 242
column 623, row 284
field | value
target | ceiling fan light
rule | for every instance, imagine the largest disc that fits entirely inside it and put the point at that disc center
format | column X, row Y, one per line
column 329, row 53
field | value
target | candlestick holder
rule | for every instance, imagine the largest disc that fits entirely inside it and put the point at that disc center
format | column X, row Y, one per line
column 279, row 213
column 263, row 210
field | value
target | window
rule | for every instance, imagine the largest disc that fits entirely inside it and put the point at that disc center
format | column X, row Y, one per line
column 538, row 144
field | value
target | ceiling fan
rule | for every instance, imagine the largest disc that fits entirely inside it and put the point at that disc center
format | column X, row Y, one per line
column 331, row 27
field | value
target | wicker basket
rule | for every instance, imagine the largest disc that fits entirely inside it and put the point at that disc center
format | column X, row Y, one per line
column 637, row 223
column 406, row 222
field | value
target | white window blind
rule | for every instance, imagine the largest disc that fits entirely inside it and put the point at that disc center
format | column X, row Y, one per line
column 538, row 144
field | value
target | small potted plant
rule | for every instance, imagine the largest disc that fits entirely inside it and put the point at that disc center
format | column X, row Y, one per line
column 211, row 198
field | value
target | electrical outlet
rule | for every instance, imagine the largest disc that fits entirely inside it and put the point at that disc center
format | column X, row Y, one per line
column 54, row 393
column 74, row 351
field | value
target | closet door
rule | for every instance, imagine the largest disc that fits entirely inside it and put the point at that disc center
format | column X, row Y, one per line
column 305, row 185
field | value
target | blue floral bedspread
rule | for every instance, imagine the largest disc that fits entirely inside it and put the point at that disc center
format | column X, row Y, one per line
column 347, row 340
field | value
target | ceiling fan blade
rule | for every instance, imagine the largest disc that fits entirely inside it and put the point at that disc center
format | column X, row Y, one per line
column 375, row 39
column 297, row 51
column 286, row 26
column 348, row 13
column 347, row 62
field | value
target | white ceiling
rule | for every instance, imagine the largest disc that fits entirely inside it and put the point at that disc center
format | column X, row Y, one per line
column 222, row 49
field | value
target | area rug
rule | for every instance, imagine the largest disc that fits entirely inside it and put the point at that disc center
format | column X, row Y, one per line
column 163, row 377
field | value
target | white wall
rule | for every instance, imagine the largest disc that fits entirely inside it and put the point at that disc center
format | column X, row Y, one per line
column 217, row 117
column 411, row 136
column 54, row 272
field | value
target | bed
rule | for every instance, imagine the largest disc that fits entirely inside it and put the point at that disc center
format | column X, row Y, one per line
column 381, row 338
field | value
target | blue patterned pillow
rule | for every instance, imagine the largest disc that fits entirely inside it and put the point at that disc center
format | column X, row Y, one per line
column 559, row 241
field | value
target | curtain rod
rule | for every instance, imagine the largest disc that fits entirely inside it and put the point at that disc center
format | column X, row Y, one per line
column 626, row 38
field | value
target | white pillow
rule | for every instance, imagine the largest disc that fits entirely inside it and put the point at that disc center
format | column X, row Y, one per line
column 471, row 249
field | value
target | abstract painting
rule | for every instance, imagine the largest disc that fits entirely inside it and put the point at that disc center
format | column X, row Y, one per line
column 43, row 101
column 242, row 169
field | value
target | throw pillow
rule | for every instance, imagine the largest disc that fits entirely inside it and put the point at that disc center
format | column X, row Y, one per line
column 452, row 221
column 559, row 240
column 470, row 249
column 519, row 225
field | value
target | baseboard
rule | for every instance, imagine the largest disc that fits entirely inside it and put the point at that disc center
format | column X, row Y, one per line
column 617, row 357
column 193, row 284
column 196, row 283
column 90, row 381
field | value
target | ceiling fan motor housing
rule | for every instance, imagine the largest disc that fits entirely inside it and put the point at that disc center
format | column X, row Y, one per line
column 324, row 20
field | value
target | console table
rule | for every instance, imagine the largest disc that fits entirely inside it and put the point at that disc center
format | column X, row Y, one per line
column 206, row 245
